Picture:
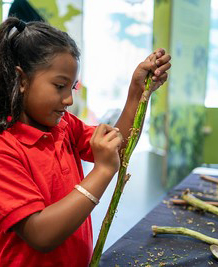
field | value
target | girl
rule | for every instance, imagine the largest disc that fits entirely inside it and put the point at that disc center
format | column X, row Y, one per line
column 45, row 202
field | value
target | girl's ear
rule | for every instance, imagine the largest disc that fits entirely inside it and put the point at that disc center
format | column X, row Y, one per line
column 23, row 79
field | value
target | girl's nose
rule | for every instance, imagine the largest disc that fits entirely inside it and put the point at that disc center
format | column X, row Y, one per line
column 68, row 100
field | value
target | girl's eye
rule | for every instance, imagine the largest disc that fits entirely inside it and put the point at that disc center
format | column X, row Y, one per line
column 60, row 86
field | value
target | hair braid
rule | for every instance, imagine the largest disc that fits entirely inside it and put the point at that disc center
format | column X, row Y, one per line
column 8, row 75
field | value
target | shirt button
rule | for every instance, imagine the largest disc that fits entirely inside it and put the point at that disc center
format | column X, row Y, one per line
column 45, row 136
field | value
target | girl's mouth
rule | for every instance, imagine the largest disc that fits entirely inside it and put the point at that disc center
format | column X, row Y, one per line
column 60, row 113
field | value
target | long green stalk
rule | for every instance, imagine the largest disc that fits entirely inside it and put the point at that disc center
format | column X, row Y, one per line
column 122, row 176
column 183, row 231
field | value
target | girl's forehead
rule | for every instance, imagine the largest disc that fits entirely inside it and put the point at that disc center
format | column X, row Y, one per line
column 63, row 63
column 63, row 60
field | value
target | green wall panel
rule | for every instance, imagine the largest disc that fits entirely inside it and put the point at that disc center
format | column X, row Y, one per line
column 161, row 33
column 178, row 116
column 0, row 10
column 158, row 131
column 211, row 138
column 189, row 50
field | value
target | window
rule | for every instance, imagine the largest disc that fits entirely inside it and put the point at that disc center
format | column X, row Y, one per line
column 117, row 37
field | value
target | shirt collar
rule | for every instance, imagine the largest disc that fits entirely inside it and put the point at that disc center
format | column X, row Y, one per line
column 29, row 135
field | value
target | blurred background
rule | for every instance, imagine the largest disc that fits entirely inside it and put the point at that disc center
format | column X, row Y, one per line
column 180, row 130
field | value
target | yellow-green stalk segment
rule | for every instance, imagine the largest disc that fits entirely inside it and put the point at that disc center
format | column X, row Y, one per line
column 192, row 200
column 183, row 231
column 122, row 176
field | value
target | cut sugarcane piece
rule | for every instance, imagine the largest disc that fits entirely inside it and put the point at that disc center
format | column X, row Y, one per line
column 183, row 231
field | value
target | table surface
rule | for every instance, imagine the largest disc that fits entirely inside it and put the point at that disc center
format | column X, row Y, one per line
column 138, row 247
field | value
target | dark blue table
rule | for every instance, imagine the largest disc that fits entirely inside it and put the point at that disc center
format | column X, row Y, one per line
column 138, row 247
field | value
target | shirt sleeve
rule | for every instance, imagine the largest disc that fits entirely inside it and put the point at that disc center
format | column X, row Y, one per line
column 80, row 135
column 19, row 195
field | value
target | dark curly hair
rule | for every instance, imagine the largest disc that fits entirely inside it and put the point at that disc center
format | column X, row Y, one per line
column 30, row 48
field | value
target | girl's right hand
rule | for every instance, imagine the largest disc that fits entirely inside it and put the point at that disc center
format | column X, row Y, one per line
column 105, row 144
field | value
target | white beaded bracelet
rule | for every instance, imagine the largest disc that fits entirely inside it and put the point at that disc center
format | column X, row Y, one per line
column 87, row 194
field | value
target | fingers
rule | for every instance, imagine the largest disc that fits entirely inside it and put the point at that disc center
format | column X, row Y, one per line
column 163, row 77
column 160, row 71
column 149, row 66
column 159, row 62
column 113, row 134
column 106, row 132
column 105, row 144
column 164, row 59
column 159, row 52
column 114, row 137
column 161, row 80
column 163, row 65
column 117, row 141
column 101, row 130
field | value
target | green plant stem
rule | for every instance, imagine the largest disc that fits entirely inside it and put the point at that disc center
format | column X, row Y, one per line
column 122, row 176
column 190, row 199
column 183, row 231
column 178, row 201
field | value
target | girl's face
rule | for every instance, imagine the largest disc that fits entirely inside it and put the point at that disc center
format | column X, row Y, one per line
column 49, row 92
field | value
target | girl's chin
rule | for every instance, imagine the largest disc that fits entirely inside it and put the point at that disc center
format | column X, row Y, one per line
column 55, row 122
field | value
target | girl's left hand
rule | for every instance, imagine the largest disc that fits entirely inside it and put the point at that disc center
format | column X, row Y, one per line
column 158, row 64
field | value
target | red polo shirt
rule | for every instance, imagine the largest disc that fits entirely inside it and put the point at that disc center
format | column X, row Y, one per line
column 37, row 169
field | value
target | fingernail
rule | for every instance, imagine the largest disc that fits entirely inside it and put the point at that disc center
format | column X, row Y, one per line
column 116, row 129
column 154, row 78
column 157, row 72
column 157, row 62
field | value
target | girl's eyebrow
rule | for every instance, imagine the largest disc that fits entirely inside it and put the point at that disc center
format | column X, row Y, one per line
column 64, row 78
